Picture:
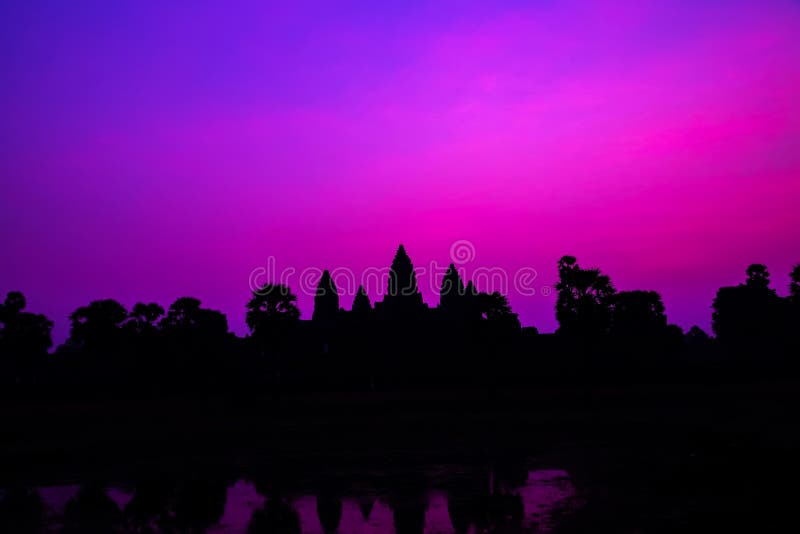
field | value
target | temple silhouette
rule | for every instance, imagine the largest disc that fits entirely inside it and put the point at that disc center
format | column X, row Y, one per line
column 463, row 316
column 402, row 301
column 470, row 338
column 618, row 392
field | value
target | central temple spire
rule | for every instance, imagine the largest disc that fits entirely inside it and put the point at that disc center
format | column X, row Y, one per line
column 402, row 296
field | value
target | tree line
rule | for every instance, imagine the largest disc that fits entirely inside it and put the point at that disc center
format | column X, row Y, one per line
column 470, row 337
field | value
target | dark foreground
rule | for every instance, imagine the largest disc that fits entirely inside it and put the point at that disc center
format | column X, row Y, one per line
column 661, row 458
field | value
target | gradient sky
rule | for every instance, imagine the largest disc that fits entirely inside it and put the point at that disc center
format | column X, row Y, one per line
column 151, row 151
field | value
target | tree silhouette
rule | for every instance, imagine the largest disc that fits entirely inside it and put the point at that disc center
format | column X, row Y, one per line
column 698, row 342
column 757, row 276
column 144, row 335
column 638, row 314
column 697, row 336
column 271, row 314
column 98, row 326
column 392, row 343
column 144, row 317
column 326, row 300
column 196, row 341
column 361, row 305
column 15, row 303
column 792, row 316
column 747, row 316
column 584, row 304
column 22, row 334
column 501, row 323
column 185, row 317
column 794, row 284
column 496, row 310
column 494, row 306
column 182, row 314
column 640, row 334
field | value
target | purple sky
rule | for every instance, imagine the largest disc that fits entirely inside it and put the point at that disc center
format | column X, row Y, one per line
column 151, row 152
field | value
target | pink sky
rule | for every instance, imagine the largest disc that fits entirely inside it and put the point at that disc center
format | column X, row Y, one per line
column 149, row 153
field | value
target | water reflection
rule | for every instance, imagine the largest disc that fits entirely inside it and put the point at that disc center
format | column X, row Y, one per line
column 90, row 511
column 21, row 510
column 276, row 515
column 442, row 500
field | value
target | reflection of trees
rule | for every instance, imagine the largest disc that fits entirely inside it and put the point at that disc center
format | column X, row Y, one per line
column 277, row 516
column 148, row 505
column 488, row 502
column 199, row 504
column 409, row 514
column 329, row 511
column 461, row 512
column 91, row 511
column 191, row 506
column 365, row 504
column 21, row 510
column 506, row 509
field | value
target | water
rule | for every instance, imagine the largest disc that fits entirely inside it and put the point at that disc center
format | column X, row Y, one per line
column 439, row 499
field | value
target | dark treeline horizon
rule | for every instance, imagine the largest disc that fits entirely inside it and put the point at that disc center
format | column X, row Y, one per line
column 469, row 338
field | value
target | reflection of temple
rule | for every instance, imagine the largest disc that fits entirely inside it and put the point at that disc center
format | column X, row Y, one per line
column 471, row 500
column 480, row 500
